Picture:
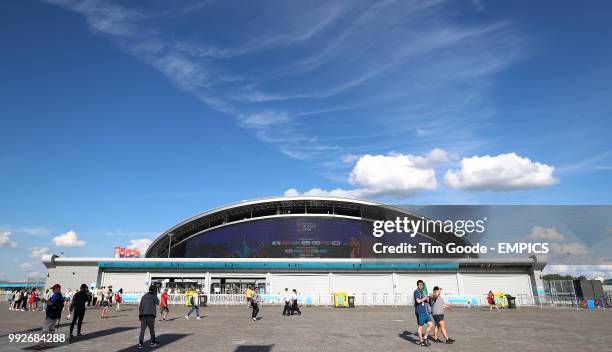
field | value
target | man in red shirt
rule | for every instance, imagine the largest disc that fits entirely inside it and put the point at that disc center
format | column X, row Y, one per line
column 163, row 305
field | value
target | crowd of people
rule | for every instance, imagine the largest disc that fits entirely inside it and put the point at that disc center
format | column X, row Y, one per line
column 54, row 303
column 429, row 309
column 24, row 300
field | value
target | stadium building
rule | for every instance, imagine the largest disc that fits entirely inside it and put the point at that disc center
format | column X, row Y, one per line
column 317, row 245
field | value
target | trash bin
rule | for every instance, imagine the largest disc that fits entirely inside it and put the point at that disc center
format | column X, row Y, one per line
column 203, row 300
column 340, row 299
column 511, row 302
column 351, row 301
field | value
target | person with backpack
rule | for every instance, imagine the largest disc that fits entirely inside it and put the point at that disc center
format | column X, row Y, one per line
column 423, row 318
column 147, row 310
column 77, row 309
column 194, row 301
column 53, row 314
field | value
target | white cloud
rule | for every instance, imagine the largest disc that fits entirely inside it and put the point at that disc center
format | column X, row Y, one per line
column 546, row 234
column 504, row 172
column 68, row 239
column 25, row 266
column 395, row 174
column 140, row 244
column 5, row 240
column 39, row 252
column 264, row 119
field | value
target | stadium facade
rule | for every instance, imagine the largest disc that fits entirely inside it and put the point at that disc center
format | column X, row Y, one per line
column 317, row 245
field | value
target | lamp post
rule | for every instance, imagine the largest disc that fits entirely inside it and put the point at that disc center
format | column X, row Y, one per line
column 169, row 243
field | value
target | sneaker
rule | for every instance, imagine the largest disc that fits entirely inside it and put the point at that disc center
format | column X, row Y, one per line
column 79, row 334
column 186, row 317
column 449, row 341
column 254, row 319
column 140, row 346
column 154, row 343
column 198, row 318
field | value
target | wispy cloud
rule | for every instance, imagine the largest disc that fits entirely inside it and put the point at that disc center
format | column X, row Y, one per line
column 291, row 73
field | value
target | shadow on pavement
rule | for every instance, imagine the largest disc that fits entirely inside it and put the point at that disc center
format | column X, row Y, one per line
column 410, row 337
column 254, row 348
column 164, row 340
column 38, row 329
column 85, row 337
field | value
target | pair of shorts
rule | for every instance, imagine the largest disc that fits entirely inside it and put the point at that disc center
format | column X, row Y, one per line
column 164, row 309
column 49, row 324
column 422, row 318
column 438, row 318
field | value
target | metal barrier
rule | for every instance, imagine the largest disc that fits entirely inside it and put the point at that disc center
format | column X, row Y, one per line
column 551, row 301
column 5, row 296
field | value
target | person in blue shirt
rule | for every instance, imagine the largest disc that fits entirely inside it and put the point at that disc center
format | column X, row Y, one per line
column 422, row 316
column 55, row 305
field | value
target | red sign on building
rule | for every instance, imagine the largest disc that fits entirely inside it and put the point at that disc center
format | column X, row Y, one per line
column 122, row 252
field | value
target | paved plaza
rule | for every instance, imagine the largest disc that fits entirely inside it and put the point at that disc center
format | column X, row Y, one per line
column 327, row 329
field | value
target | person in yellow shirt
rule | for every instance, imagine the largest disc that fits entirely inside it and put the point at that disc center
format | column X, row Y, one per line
column 249, row 296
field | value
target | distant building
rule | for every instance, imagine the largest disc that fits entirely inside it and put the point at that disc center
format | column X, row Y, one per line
column 317, row 245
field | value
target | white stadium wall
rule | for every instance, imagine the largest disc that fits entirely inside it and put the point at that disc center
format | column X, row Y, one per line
column 129, row 282
column 304, row 283
column 72, row 277
column 513, row 284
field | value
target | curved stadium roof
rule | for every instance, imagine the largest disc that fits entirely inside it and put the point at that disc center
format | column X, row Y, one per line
column 283, row 207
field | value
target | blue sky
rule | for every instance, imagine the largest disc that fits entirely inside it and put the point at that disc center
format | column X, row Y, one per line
column 120, row 119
